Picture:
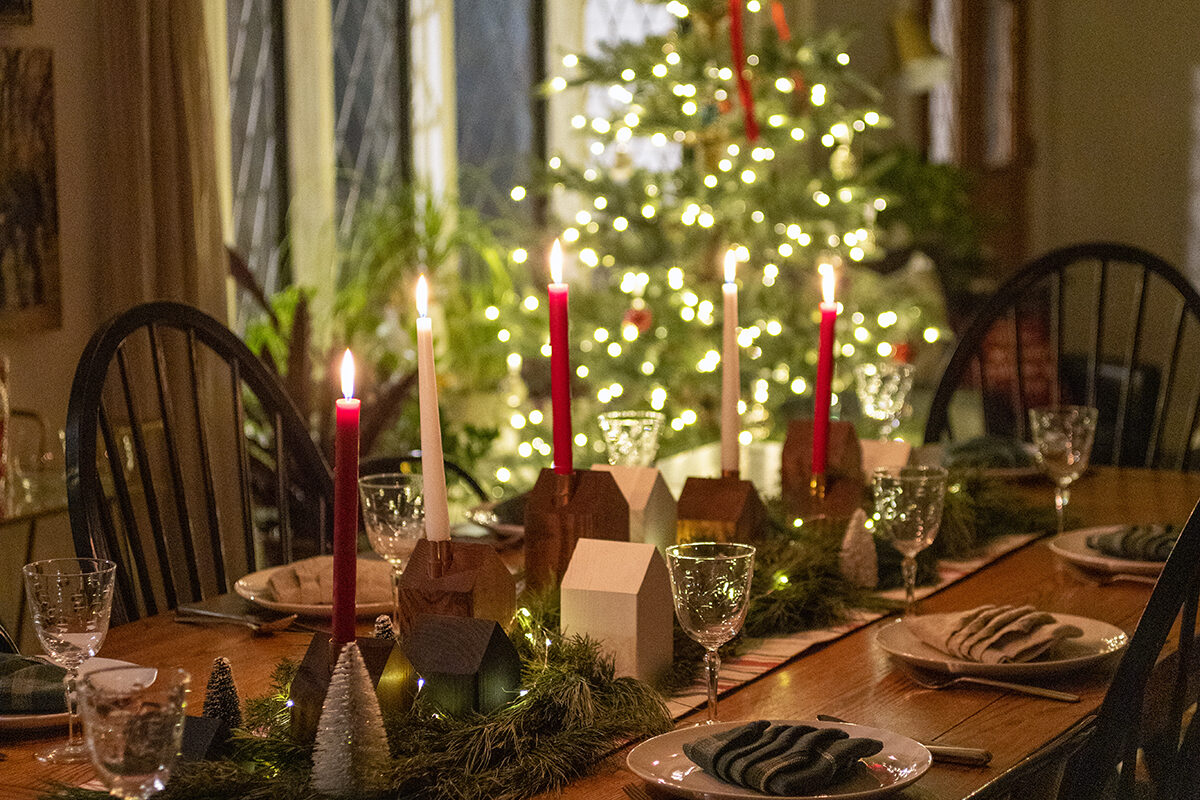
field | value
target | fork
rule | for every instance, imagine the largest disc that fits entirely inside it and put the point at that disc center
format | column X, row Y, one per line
column 933, row 680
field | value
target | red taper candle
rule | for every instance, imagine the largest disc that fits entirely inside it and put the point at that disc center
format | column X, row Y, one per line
column 821, row 402
column 560, row 364
column 345, row 508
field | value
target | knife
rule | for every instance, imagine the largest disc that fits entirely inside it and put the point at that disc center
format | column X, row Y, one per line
column 947, row 754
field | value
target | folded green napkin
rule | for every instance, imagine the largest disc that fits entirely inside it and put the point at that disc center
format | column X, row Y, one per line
column 989, row 452
column 29, row 686
column 1137, row 542
column 780, row 759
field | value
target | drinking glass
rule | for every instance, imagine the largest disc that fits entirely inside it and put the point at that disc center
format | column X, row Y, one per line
column 133, row 724
column 631, row 436
column 882, row 392
column 710, row 583
column 1063, row 436
column 908, row 503
column 70, row 599
column 394, row 516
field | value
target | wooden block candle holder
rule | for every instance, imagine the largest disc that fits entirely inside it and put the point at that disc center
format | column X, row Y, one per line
column 391, row 672
column 460, row 579
column 841, row 490
column 652, row 508
column 725, row 509
column 465, row 664
column 619, row 594
column 563, row 508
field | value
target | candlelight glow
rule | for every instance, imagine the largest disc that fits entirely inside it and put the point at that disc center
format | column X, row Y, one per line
column 422, row 297
column 730, row 265
column 556, row 262
column 828, row 279
column 348, row 375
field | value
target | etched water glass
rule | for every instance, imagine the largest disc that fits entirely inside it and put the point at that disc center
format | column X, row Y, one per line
column 908, row 505
column 631, row 437
column 394, row 515
column 133, row 725
column 710, row 584
column 71, row 601
column 883, row 392
column 1063, row 436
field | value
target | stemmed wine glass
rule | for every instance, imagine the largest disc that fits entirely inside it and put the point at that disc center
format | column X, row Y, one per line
column 133, row 724
column 1063, row 436
column 710, row 583
column 908, row 503
column 71, row 600
column 394, row 516
column 882, row 392
column 631, row 437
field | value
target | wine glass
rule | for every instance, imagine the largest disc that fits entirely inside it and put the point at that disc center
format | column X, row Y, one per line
column 1063, row 436
column 882, row 392
column 631, row 437
column 394, row 516
column 908, row 504
column 71, row 600
column 710, row 583
column 133, row 725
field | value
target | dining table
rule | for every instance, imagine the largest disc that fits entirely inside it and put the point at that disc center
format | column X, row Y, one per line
column 850, row 677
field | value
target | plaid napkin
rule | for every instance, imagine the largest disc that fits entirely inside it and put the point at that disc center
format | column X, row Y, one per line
column 780, row 759
column 1137, row 542
column 29, row 686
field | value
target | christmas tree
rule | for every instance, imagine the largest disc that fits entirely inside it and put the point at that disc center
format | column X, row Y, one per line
column 729, row 132
column 351, row 748
column 220, row 695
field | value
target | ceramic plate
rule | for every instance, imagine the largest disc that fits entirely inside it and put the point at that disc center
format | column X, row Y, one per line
column 37, row 722
column 1073, row 546
column 1098, row 643
column 254, row 588
column 660, row 761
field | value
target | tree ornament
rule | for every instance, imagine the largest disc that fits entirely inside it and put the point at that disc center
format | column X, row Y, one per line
column 639, row 318
column 857, row 559
column 220, row 695
column 384, row 628
column 351, row 749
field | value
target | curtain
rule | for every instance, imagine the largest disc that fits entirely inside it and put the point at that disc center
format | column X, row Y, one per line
column 162, row 233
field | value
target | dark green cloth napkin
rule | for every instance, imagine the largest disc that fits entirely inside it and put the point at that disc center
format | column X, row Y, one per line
column 1137, row 542
column 29, row 686
column 780, row 759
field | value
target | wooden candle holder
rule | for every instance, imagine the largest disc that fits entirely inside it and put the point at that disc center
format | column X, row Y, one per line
column 726, row 509
column 391, row 672
column 843, row 478
column 653, row 510
column 459, row 579
column 465, row 664
column 560, row 510
column 619, row 594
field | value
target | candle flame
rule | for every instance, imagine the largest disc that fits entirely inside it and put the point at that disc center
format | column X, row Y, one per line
column 828, row 279
column 556, row 262
column 347, row 375
column 422, row 296
column 730, row 265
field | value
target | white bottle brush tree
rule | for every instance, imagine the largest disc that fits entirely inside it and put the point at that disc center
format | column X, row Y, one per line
column 351, row 750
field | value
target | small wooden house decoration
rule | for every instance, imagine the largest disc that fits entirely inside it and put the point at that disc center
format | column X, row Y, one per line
column 465, row 664
column 725, row 509
column 878, row 453
column 618, row 593
column 560, row 510
column 463, row 579
column 652, row 507
column 391, row 671
column 843, row 472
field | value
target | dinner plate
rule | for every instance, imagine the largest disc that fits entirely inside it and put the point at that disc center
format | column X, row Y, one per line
column 254, row 587
column 1098, row 643
column 37, row 722
column 1073, row 546
column 661, row 762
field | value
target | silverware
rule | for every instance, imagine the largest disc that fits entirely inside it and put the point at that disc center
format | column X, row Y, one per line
column 199, row 616
column 936, row 680
column 947, row 754
column 1096, row 578
column 637, row 791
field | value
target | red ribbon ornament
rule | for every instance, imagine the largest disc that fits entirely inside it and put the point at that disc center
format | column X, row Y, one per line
column 739, row 61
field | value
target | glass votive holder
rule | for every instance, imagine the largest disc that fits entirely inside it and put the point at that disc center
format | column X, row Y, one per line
column 631, row 437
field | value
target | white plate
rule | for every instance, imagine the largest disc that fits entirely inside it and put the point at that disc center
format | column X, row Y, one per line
column 1073, row 546
column 254, row 588
column 661, row 762
column 37, row 722
column 1098, row 643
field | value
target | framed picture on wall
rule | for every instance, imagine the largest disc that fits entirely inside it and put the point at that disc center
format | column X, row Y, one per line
column 30, row 274
column 16, row 12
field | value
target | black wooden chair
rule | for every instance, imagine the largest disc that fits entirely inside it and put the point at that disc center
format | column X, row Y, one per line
column 456, row 476
column 7, row 643
column 187, row 464
column 1146, row 703
column 1100, row 324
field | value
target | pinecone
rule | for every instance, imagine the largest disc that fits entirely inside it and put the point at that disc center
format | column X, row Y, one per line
column 384, row 629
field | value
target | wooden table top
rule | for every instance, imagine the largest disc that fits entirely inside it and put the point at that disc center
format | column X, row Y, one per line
column 849, row 678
